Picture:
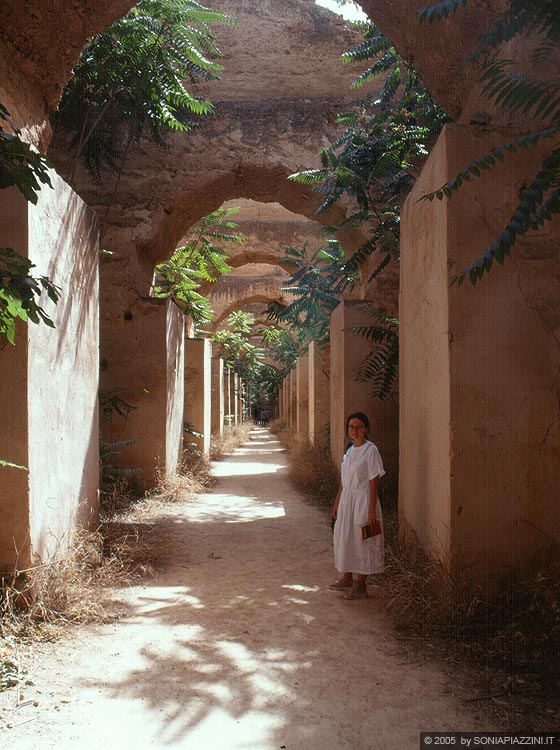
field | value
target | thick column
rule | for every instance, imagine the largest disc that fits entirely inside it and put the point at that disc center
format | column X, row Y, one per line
column 302, row 398
column 319, row 395
column 240, row 400
column 217, row 396
column 293, row 399
column 49, row 382
column 480, row 436
column 348, row 394
column 228, row 419
column 197, row 414
column 142, row 365
column 235, row 398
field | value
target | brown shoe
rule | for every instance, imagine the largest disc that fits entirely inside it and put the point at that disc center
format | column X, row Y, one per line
column 356, row 592
column 342, row 583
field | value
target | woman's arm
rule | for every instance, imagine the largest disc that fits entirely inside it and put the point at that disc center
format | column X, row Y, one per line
column 336, row 502
column 373, row 490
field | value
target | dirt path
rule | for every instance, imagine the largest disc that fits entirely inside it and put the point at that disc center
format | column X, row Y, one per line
column 237, row 643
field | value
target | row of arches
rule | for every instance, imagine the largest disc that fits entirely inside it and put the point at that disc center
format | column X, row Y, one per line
column 478, row 411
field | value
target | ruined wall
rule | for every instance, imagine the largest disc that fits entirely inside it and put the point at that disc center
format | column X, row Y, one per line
column 255, row 282
column 40, row 42
column 49, row 380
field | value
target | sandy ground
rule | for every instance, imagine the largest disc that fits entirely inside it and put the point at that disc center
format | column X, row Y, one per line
column 237, row 643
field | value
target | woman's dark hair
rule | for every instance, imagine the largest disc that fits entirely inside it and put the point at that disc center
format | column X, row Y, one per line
column 358, row 415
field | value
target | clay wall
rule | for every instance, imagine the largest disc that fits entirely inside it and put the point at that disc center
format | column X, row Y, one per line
column 175, row 350
column 480, row 435
column 217, row 396
column 138, row 367
column 50, row 380
column 302, row 397
column 350, row 394
column 197, row 378
column 319, row 395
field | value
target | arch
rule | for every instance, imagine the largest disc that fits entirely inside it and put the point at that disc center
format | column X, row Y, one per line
column 245, row 286
column 235, row 305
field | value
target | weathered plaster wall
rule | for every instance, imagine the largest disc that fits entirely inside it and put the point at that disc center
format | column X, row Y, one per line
column 198, row 357
column 40, row 42
column 217, row 404
column 175, row 348
column 319, row 395
column 50, row 379
column 255, row 282
column 136, row 366
column 480, row 427
column 302, row 397
column 348, row 394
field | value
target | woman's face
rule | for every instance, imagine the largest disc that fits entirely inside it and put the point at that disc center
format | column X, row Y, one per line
column 356, row 431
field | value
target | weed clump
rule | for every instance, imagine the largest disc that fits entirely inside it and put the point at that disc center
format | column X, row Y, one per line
column 511, row 632
column 311, row 467
column 230, row 439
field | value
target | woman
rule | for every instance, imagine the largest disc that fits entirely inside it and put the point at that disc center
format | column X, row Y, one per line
column 355, row 506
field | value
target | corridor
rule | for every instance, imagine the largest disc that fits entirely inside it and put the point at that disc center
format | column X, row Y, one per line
column 237, row 643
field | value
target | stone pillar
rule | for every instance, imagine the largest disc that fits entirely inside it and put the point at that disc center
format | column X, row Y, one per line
column 228, row 420
column 348, row 394
column 240, row 400
column 49, row 382
column 319, row 395
column 293, row 399
column 480, row 435
column 143, row 364
column 197, row 414
column 235, row 398
column 217, row 396
column 302, row 398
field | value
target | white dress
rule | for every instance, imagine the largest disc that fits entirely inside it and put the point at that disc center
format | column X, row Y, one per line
column 352, row 554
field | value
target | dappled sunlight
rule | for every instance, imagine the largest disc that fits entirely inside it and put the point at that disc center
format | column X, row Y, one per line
column 245, row 468
column 236, row 509
column 212, row 684
column 175, row 594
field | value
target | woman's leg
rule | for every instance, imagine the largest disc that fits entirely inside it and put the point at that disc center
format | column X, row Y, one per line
column 358, row 590
column 344, row 582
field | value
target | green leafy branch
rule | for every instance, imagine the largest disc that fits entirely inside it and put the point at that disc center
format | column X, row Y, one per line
column 505, row 87
column 132, row 79
column 380, row 367
column 202, row 258
column 374, row 160
column 20, row 164
column 20, row 293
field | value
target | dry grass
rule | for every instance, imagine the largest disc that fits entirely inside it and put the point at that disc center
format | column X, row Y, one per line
column 231, row 438
column 312, row 471
column 511, row 638
column 74, row 588
column 512, row 635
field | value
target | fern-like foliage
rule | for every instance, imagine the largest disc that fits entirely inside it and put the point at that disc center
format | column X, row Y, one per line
column 433, row 13
column 234, row 346
column 373, row 161
column 20, row 165
column 202, row 258
column 538, row 99
column 20, row 293
column 380, row 367
column 317, row 287
column 132, row 80
column 281, row 345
